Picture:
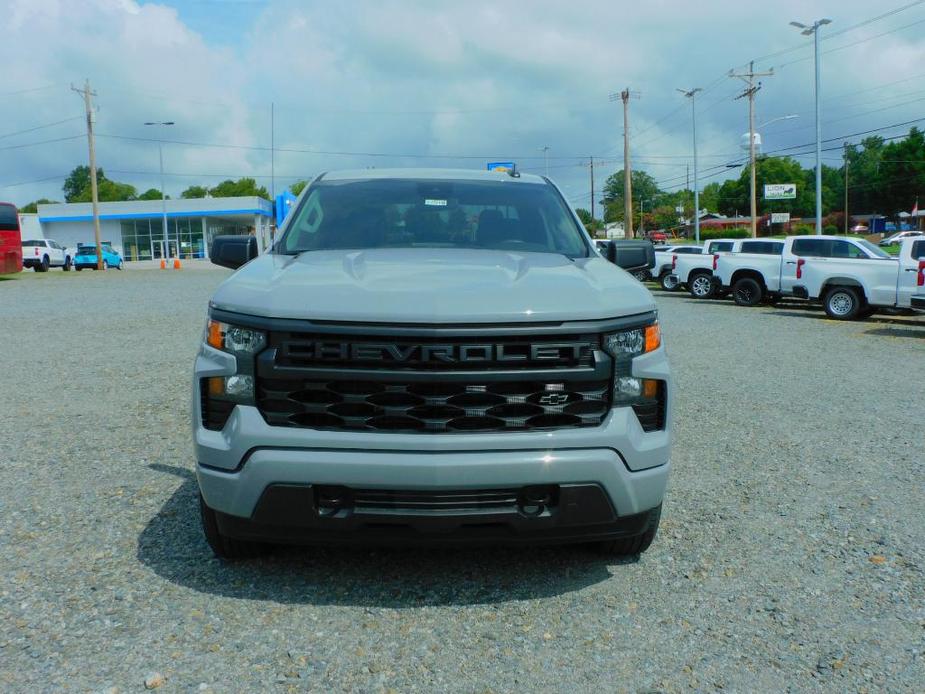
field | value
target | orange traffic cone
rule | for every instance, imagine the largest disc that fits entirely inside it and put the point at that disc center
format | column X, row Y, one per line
column 163, row 264
column 176, row 263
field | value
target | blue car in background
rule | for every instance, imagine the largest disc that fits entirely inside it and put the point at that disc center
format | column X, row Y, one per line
column 86, row 257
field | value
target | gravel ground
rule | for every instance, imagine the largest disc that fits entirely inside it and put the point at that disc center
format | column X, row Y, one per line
column 790, row 555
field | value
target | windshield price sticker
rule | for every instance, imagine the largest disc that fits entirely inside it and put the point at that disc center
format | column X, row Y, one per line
column 435, row 203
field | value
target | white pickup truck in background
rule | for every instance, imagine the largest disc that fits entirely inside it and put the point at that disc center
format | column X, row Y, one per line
column 41, row 254
column 695, row 272
column 661, row 273
column 851, row 277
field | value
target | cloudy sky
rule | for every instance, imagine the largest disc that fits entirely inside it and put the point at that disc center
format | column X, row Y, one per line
column 435, row 83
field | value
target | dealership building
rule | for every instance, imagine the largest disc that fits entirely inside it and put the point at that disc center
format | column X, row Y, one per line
column 136, row 228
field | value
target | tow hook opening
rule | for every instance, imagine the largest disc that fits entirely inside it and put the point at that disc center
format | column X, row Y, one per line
column 534, row 501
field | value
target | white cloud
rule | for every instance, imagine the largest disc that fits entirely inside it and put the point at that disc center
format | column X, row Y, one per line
column 481, row 77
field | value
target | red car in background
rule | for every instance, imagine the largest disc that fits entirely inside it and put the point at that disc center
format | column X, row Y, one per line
column 657, row 236
column 10, row 240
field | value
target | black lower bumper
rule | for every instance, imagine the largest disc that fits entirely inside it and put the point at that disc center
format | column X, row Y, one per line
column 918, row 302
column 553, row 514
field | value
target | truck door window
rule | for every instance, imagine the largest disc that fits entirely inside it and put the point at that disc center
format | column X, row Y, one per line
column 918, row 250
column 843, row 249
column 814, row 248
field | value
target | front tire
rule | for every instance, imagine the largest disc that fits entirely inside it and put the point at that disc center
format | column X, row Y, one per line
column 105, row 265
column 842, row 303
column 701, row 286
column 627, row 546
column 747, row 292
column 67, row 264
column 225, row 547
column 668, row 282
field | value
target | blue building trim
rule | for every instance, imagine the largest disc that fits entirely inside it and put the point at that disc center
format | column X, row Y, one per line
column 157, row 215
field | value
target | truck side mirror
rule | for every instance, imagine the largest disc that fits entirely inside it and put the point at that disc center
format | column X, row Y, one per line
column 233, row 251
column 631, row 254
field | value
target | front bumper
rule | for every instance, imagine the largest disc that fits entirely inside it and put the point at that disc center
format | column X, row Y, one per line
column 242, row 468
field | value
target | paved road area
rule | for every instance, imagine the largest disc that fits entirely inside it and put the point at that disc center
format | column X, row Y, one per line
column 790, row 557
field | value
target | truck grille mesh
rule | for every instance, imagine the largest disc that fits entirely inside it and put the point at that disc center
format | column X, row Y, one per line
column 428, row 384
column 432, row 407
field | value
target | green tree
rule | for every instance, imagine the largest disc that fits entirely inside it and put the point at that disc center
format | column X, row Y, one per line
column 644, row 187
column 709, row 196
column 583, row 215
column 34, row 205
column 78, row 180
column 297, row 187
column 108, row 191
column 194, row 192
column 241, row 187
column 151, row 194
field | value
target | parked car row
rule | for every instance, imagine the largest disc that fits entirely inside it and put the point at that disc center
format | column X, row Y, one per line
column 43, row 254
column 850, row 277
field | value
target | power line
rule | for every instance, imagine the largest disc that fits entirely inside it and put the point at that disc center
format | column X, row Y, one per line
column 39, row 127
column 41, row 142
column 37, row 180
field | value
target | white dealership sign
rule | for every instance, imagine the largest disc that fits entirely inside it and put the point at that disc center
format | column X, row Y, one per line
column 780, row 217
column 780, row 191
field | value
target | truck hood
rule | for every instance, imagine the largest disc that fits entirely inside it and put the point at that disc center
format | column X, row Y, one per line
column 429, row 285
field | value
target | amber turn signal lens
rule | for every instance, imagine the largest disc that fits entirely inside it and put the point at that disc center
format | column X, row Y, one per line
column 649, row 388
column 215, row 335
column 653, row 337
column 217, row 385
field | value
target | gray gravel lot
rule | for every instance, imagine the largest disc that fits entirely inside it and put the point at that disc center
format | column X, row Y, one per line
column 790, row 555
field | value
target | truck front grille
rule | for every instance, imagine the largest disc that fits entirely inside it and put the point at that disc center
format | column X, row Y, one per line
column 435, row 386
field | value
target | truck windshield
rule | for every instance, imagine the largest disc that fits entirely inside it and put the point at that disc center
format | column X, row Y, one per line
column 407, row 213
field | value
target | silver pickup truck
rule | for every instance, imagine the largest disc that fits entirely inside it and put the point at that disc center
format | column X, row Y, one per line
column 851, row 277
column 430, row 356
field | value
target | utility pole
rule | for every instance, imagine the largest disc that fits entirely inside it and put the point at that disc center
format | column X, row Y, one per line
column 846, row 189
column 94, row 190
column 627, row 169
column 592, row 197
column 751, row 90
column 692, row 95
column 273, row 153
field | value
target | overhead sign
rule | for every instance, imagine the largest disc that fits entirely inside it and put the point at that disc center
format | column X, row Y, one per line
column 780, row 191
column 500, row 166
column 780, row 217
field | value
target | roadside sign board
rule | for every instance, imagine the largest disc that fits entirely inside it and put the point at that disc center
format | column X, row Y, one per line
column 500, row 166
column 780, row 191
column 780, row 217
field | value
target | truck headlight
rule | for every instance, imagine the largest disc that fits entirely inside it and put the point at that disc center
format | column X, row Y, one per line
column 645, row 395
column 627, row 344
column 244, row 343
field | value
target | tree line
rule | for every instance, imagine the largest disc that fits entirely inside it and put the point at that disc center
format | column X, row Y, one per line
column 76, row 188
column 883, row 178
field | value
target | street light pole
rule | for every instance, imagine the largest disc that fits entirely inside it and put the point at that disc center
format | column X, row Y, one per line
column 814, row 31
column 692, row 95
column 545, row 150
column 160, row 153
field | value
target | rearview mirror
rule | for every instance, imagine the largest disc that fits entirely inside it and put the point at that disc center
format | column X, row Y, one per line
column 233, row 251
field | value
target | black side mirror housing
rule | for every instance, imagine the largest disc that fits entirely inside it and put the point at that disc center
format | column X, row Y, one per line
column 631, row 254
column 233, row 251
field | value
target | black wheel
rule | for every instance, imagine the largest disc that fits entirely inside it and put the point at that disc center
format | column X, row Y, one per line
column 225, row 547
column 747, row 292
column 842, row 303
column 78, row 268
column 641, row 275
column 44, row 266
column 668, row 282
column 701, row 286
column 636, row 544
column 67, row 264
